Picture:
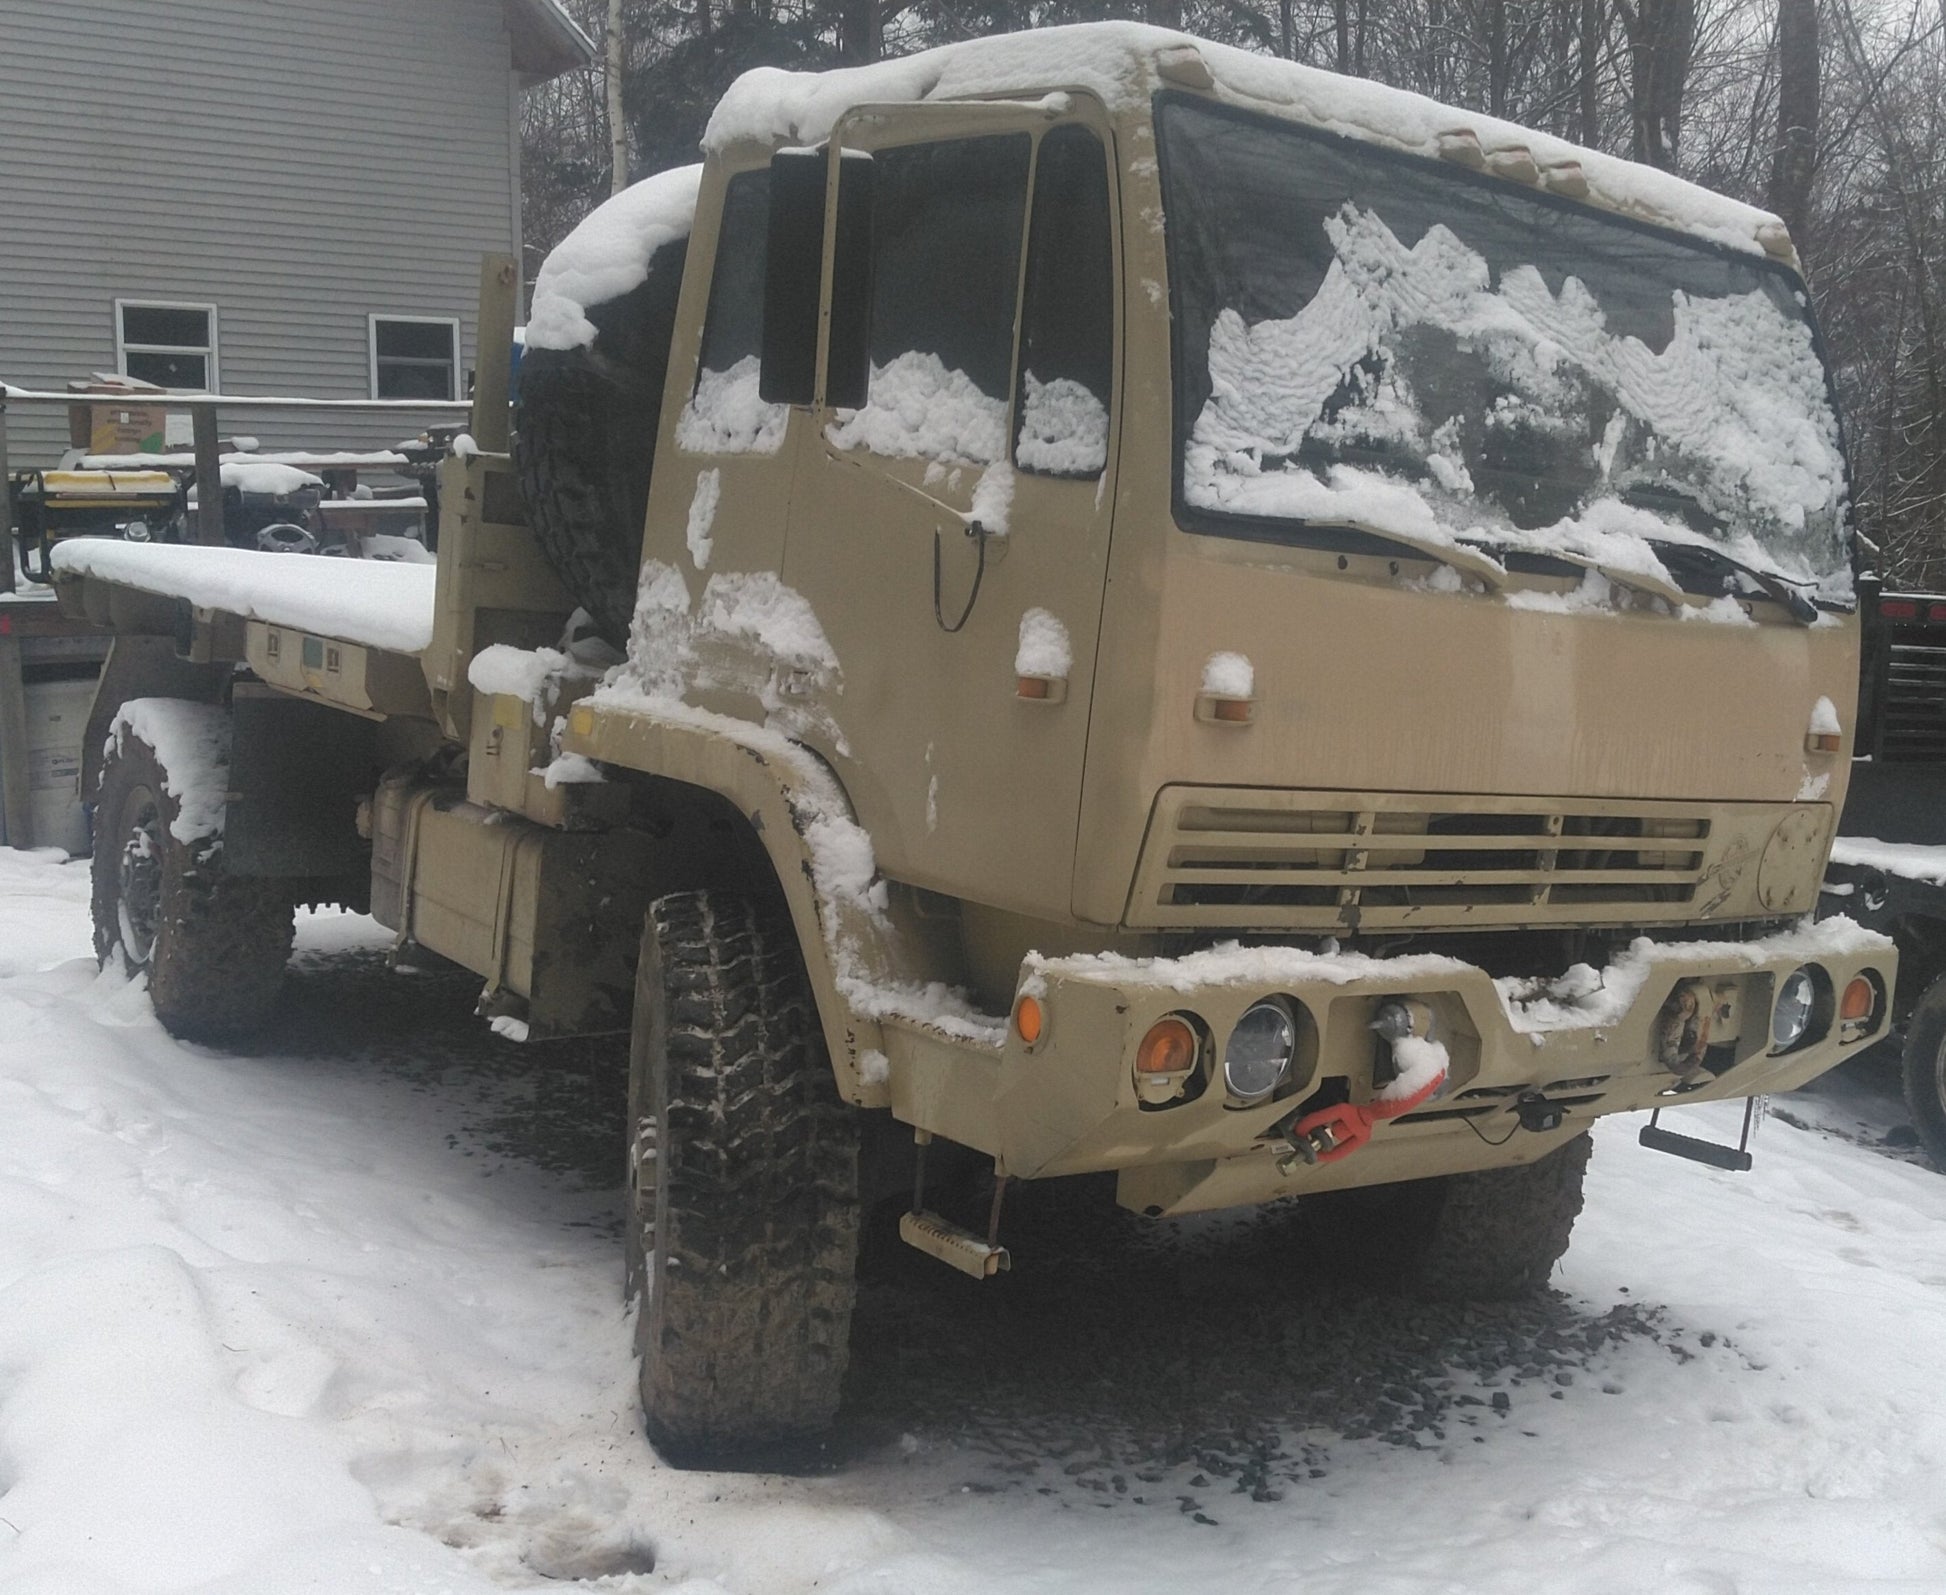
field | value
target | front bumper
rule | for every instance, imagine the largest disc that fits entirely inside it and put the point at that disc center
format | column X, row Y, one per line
column 1589, row 1043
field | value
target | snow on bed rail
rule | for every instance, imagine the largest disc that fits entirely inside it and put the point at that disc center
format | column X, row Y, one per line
column 377, row 603
column 1116, row 62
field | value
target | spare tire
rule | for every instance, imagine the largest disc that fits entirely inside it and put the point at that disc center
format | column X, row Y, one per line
column 584, row 442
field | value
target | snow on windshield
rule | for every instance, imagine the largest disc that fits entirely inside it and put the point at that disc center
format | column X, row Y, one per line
column 1390, row 345
column 1729, row 419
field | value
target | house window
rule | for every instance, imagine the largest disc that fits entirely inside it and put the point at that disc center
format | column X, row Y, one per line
column 414, row 357
column 171, row 345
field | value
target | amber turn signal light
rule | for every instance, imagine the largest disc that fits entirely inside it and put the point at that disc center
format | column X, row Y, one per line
column 1030, row 1019
column 1860, row 998
column 1168, row 1048
column 1822, row 742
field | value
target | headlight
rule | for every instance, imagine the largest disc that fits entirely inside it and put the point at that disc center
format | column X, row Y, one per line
column 1260, row 1049
column 1790, row 1017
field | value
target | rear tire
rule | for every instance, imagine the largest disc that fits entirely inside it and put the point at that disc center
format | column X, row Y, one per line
column 1923, row 1066
column 213, row 946
column 1492, row 1235
column 743, row 1182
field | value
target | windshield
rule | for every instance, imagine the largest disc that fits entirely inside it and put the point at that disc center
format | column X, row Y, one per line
column 1383, row 343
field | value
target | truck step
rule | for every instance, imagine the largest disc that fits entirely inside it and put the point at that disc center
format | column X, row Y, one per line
column 956, row 1247
column 1736, row 1159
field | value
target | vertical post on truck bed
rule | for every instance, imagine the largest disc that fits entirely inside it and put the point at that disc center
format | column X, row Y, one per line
column 209, row 477
column 492, row 426
column 6, row 501
column 16, row 793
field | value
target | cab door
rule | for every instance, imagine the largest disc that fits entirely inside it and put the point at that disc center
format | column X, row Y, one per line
column 951, row 532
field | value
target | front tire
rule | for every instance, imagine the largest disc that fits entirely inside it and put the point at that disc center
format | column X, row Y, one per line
column 1923, row 1066
column 213, row 946
column 743, row 1180
column 1492, row 1235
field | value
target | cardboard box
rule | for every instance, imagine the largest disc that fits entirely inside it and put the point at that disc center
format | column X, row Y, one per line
column 128, row 419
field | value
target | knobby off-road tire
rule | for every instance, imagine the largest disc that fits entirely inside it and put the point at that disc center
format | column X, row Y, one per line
column 1923, row 1065
column 584, row 443
column 213, row 946
column 1494, row 1235
column 743, row 1178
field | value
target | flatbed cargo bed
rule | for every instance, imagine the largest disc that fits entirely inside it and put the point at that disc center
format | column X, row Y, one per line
column 374, row 603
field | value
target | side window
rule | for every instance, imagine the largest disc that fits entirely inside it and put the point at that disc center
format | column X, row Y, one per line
column 946, row 234
column 725, row 414
column 414, row 357
column 171, row 345
column 1067, row 338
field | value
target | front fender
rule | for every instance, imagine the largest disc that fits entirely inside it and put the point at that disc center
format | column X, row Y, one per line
column 855, row 950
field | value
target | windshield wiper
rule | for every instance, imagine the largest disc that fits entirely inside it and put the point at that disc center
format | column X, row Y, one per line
column 1468, row 558
column 1663, row 498
column 1638, row 581
column 1799, row 607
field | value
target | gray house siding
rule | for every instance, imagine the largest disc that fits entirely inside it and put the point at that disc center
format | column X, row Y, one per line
column 299, row 164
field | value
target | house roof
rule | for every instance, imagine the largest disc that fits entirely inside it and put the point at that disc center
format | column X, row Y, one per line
column 546, row 40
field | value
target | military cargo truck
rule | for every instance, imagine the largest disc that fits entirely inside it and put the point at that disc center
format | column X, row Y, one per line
column 1168, row 616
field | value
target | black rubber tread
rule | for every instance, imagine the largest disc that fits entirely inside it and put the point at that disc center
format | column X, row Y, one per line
column 1492, row 1235
column 1499, row 1232
column 584, row 442
column 1921, row 1066
column 745, row 1205
column 583, row 447
column 221, row 941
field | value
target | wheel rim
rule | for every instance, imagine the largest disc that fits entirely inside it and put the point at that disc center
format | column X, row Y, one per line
column 140, row 896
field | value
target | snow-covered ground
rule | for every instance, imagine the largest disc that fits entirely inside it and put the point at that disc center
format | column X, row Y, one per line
column 345, row 1317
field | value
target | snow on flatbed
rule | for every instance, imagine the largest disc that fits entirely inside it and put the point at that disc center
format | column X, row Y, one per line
column 323, row 1320
column 379, row 603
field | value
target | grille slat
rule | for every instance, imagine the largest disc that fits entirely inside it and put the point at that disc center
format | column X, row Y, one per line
column 1256, row 858
column 1912, row 709
column 1376, row 875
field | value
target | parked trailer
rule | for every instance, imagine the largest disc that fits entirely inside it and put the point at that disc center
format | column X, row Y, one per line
column 1888, row 866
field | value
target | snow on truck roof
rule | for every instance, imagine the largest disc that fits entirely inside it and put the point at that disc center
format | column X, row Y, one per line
column 376, row 603
column 1118, row 62
column 1121, row 63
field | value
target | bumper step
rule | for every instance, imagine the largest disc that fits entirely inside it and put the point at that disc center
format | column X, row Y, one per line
column 956, row 1247
column 1735, row 1159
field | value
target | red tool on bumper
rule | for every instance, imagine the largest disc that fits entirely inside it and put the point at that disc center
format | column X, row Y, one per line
column 1341, row 1129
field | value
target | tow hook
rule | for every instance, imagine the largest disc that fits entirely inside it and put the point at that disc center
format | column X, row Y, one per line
column 1340, row 1129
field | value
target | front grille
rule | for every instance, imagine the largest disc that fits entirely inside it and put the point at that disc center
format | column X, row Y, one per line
column 1912, row 709
column 1245, row 859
